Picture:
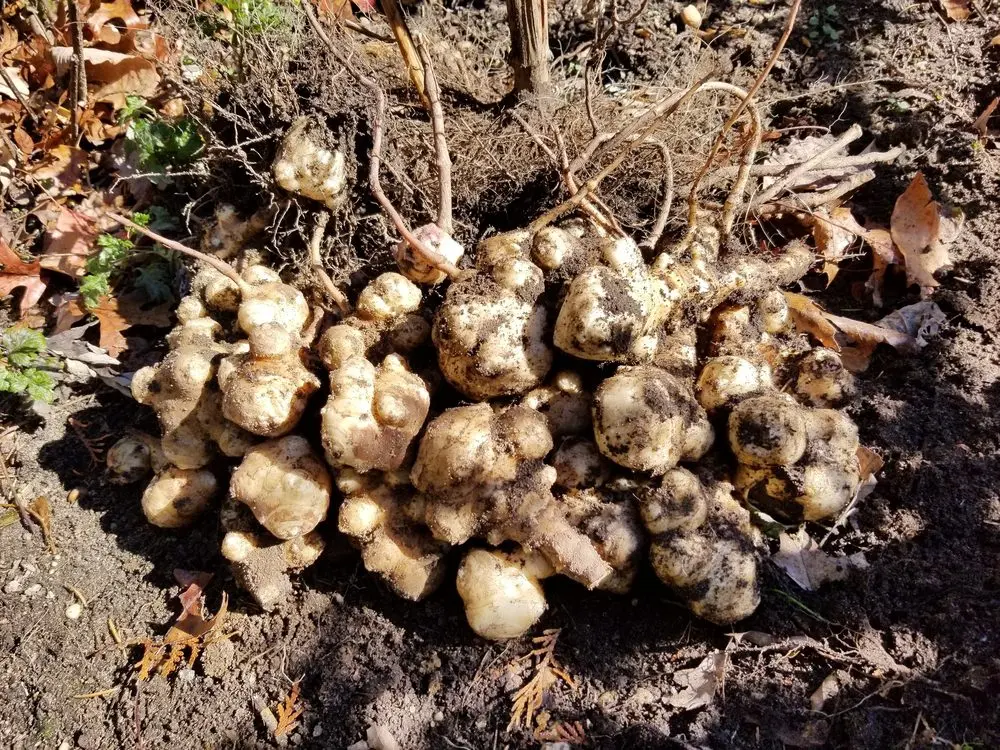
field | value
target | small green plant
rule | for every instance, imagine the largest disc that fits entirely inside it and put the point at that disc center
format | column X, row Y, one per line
column 157, row 144
column 824, row 23
column 24, row 366
column 254, row 16
column 116, row 264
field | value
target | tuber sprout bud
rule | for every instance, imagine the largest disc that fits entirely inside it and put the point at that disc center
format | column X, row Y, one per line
column 501, row 592
column 438, row 241
column 176, row 497
column 285, row 484
column 388, row 296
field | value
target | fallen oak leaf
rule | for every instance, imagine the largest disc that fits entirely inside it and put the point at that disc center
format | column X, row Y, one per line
column 116, row 315
column 916, row 229
column 64, row 170
column 115, row 10
column 16, row 274
column 69, row 240
column 134, row 76
column 866, row 337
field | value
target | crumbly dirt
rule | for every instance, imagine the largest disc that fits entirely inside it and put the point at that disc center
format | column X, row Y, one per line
column 912, row 640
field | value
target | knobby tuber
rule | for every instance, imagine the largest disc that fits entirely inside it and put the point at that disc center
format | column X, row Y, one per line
column 682, row 398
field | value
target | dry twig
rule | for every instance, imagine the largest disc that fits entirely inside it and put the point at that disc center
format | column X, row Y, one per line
column 442, row 157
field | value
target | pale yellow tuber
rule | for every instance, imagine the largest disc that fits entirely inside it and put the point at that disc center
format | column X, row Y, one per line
column 381, row 515
column 133, row 458
column 177, row 497
column 285, row 484
column 501, row 591
column 648, row 420
column 374, row 413
column 267, row 391
column 305, row 167
column 615, row 530
column 482, row 474
column 725, row 381
column 438, row 241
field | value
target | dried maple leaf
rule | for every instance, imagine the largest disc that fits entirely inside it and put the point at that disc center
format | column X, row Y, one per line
column 289, row 712
column 547, row 672
column 916, row 228
column 957, row 10
column 808, row 317
column 185, row 638
column 16, row 274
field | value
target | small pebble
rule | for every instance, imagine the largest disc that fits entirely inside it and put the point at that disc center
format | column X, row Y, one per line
column 74, row 610
column 186, row 675
column 318, row 730
column 14, row 587
column 481, row 723
column 438, row 716
column 33, row 589
column 74, row 495
column 691, row 17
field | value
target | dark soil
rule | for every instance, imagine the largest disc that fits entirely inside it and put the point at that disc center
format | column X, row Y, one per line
column 913, row 640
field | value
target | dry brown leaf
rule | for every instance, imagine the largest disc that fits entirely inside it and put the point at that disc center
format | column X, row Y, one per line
column 289, row 712
column 117, row 315
column 63, row 170
column 115, row 10
column 133, row 76
column 41, row 511
column 699, row 684
column 69, row 240
column 339, row 9
column 834, row 232
column 884, row 254
column 570, row 733
column 957, row 10
column 916, row 230
column 16, row 274
column 808, row 317
column 810, row 567
column 866, row 337
column 981, row 123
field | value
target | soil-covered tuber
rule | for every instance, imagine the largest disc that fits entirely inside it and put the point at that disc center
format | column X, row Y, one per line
column 490, row 332
column 703, row 545
column 285, row 484
column 648, row 420
column 795, row 462
column 482, row 474
column 133, row 458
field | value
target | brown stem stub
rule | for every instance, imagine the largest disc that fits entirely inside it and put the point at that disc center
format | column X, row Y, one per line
column 529, row 44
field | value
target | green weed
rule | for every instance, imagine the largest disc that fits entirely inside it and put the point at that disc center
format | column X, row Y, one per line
column 24, row 366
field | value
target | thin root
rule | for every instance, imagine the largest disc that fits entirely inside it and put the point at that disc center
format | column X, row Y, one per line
column 316, row 260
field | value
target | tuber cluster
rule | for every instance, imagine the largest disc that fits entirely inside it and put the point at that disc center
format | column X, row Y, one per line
column 568, row 408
